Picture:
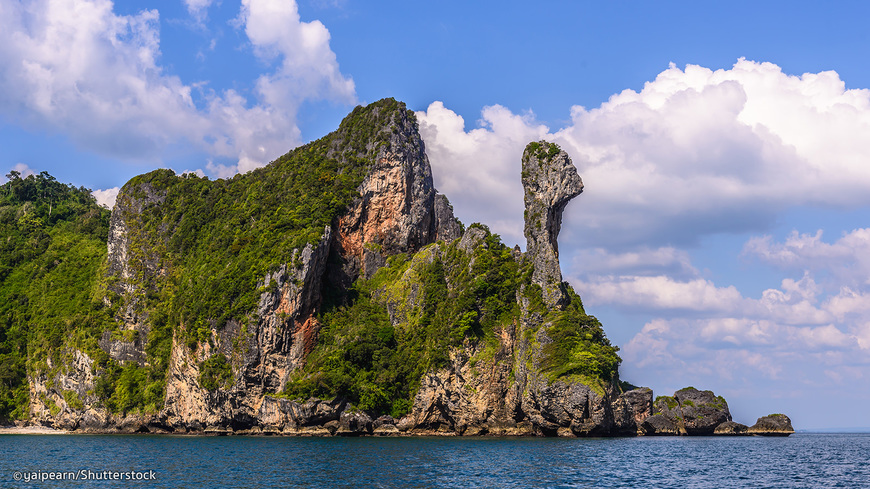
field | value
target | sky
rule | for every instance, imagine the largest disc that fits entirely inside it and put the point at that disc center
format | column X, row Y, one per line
column 722, row 237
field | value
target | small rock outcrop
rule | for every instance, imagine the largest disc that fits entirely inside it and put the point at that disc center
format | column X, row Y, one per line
column 702, row 411
column 772, row 425
column 447, row 227
column 550, row 181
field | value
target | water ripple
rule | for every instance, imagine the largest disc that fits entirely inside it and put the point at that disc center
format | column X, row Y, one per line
column 799, row 461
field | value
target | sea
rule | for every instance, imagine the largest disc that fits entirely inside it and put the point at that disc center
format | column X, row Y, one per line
column 811, row 460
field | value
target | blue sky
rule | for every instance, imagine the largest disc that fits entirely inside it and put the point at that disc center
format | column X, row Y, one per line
column 721, row 238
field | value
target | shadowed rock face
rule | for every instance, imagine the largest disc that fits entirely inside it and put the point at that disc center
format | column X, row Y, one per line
column 690, row 411
column 731, row 428
column 772, row 425
column 550, row 181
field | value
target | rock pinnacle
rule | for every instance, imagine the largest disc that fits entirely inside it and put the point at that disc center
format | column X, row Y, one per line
column 550, row 181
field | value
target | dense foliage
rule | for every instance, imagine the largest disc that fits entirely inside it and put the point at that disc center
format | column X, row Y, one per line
column 214, row 241
column 215, row 372
column 579, row 346
column 52, row 245
column 439, row 299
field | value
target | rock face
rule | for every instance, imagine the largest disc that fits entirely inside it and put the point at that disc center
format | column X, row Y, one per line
column 397, row 211
column 693, row 412
column 638, row 406
column 550, row 181
column 731, row 428
column 660, row 424
column 772, row 425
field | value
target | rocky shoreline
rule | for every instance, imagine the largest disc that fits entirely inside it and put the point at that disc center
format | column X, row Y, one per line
column 689, row 412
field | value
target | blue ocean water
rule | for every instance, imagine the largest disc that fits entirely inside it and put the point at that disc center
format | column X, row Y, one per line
column 801, row 460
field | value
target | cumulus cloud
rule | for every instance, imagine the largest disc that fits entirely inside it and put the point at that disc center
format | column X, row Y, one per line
column 742, row 348
column 78, row 68
column 696, row 152
column 659, row 292
column 308, row 67
column 106, row 197
column 795, row 302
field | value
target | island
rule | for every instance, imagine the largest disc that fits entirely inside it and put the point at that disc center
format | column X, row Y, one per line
column 331, row 292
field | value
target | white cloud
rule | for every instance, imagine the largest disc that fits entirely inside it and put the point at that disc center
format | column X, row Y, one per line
column 741, row 347
column 666, row 260
column 795, row 302
column 696, row 152
column 78, row 68
column 106, row 197
column 848, row 258
column 198, row 8
column 659, row 292
column 308, row 69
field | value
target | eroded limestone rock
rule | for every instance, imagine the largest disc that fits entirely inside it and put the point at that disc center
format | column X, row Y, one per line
column 550, row 181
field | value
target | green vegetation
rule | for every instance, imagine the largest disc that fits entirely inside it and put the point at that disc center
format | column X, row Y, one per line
column 73, row 400
column 197, row 251
column 543, row 150
column 216, row 240
column 129, row 387
column 579, row 346
column 219, row 238
column 215, row 373
column 441, row 298
column 669, row 401
column 52, row 245
column 719, row 403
